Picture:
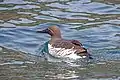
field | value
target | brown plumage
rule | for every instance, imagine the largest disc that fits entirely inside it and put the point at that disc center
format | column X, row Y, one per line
column 58, row 42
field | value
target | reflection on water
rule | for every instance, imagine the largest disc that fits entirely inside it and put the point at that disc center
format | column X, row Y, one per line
column 95, row 23
column 17, row 65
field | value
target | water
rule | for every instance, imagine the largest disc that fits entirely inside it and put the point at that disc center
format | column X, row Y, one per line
column 96, row 23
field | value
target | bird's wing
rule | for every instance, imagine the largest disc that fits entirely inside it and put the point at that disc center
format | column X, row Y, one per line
column 73, row 45
column 63, row 44
column 75, row 42
column 67, row 43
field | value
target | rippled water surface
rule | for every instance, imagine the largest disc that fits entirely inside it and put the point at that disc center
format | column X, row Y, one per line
column 96, row 23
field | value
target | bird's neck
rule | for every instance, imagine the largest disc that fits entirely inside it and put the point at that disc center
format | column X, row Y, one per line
column 54, row 38
column 56, row 35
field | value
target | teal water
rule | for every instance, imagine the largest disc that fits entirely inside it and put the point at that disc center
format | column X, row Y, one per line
column 96, row 23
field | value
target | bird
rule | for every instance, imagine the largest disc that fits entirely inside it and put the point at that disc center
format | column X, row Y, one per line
column 63, row 48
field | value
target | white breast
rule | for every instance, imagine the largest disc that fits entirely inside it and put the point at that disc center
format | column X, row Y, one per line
column 62, row 52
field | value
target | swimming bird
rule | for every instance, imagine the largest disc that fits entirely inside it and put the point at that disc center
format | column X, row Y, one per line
column 63, row 48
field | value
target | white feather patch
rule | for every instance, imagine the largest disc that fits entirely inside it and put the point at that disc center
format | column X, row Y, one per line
column 62, row 52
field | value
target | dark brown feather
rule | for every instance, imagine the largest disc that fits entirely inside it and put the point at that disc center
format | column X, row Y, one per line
column 76, row 42
column 63, row 44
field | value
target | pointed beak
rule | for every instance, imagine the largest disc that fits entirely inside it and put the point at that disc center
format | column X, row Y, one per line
column 42, row 31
